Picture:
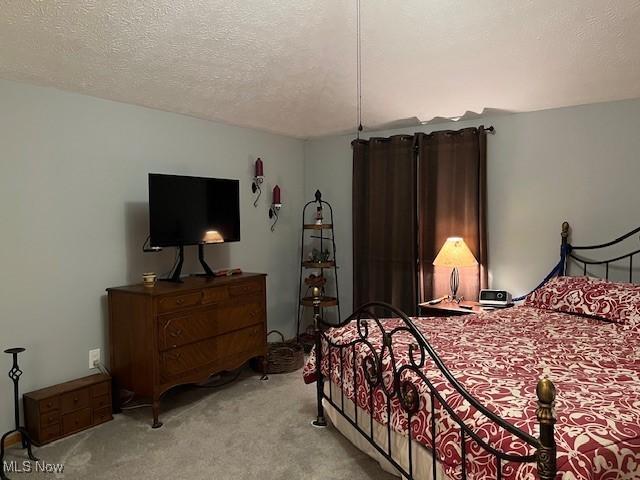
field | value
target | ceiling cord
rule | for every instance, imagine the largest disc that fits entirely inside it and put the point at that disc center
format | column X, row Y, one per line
column 359, row 69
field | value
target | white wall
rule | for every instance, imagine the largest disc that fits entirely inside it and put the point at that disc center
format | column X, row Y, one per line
column 73, row 217
column 579, row 164
column 73, row 211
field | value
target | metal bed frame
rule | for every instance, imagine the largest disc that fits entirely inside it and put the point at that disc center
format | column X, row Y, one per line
column 368, row 316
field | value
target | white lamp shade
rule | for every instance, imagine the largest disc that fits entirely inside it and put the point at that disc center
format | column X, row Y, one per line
column 455, row 253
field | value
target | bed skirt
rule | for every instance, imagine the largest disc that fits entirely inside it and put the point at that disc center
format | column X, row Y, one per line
column 422, row 458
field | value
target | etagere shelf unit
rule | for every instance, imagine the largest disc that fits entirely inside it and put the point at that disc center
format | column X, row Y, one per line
column 315, row 264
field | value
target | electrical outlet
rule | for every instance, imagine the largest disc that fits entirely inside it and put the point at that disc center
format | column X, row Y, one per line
column 94, row 358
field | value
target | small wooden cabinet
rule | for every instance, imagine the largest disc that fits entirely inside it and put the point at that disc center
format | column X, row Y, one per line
column 58, row 411
column 179, row 333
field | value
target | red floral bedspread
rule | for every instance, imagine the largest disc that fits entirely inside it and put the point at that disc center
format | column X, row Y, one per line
column 499, row 358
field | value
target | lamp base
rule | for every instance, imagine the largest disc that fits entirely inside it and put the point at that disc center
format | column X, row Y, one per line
column 454, row 298
column 454, row 283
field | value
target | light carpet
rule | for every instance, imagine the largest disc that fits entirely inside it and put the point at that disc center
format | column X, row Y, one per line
column 249, row 429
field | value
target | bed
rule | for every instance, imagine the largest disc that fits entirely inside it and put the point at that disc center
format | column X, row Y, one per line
column 475, row 396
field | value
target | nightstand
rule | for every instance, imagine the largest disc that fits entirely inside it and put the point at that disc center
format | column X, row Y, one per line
column 448, row 309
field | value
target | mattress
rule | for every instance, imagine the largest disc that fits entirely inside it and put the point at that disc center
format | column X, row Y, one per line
column 499, row 357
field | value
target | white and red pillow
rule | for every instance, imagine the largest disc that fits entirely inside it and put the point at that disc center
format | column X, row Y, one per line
column 613, row 301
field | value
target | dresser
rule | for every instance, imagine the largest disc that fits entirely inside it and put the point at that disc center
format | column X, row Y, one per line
column 61, row 410
column 179, row 333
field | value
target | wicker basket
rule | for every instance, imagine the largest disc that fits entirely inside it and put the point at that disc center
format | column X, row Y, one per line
column 284, row 356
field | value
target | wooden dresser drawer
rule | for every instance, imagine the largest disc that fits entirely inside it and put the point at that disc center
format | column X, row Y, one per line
column 49, row 433
column 72, row 422
column 49, row 404
column 246, row 340
column 101, row 402
column 177, row 302
column 50, row 418
column 102, row 415
column 189, row 357
column 182, row 359
column 176, row 330
column 100, row 389
column 72, row 401
column 214, row 295
column 236, row 317
column 246, row 288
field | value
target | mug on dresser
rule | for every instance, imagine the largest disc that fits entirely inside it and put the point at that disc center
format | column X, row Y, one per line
column 149, row 279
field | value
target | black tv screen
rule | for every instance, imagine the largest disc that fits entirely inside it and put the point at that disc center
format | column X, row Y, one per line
column 183, row 209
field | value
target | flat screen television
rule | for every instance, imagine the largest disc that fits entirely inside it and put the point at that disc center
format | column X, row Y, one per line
column 182, row 209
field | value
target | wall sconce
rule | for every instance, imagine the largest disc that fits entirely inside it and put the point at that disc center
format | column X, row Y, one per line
column 258, row 178
column 276, row 205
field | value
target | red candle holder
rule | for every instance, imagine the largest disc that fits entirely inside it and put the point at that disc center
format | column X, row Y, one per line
column 276, row 205
column 258, row 178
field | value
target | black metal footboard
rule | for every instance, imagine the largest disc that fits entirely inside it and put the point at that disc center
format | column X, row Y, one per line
column 406, row 391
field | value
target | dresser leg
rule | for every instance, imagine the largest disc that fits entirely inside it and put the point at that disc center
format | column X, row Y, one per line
column 156, row 413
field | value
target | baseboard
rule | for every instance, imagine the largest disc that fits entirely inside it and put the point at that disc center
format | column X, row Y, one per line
column 12, row 439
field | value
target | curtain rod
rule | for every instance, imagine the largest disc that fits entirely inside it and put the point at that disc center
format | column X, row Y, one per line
column 490, row 130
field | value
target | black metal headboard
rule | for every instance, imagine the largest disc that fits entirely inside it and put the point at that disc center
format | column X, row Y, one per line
column 568, row 252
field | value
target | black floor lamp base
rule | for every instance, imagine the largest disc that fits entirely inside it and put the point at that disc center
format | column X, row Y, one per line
column 14, row 375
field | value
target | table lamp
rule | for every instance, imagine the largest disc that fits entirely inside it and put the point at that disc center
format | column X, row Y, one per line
column 455, row 253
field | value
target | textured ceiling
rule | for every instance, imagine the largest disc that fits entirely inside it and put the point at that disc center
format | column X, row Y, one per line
column 288, row 66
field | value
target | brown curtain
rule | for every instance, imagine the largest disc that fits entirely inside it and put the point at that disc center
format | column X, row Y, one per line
column 452, row 170
column 384, row 222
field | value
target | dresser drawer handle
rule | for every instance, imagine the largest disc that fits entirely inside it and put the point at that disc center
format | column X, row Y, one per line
column 176, row 333
column 76, row 399
column 180, row 301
